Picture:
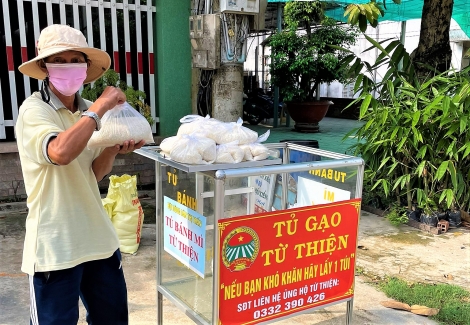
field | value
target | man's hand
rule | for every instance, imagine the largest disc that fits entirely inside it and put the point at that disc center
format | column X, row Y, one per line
column 110, row 97
column 103, row 164
column 127, row 146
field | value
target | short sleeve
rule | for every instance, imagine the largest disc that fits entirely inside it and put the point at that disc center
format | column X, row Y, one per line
column 37, row 125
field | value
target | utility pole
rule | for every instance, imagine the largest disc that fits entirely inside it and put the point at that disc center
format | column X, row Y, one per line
column 219, row 49
column 228, row 92
column 228, row 81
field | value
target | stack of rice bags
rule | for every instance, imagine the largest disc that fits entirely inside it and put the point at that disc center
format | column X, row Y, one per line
column 205, row 140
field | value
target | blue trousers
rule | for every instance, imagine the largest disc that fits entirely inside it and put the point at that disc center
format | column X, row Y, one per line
column 100, row 284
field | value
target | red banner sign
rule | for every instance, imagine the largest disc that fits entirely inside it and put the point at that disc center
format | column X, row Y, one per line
column 278, row 263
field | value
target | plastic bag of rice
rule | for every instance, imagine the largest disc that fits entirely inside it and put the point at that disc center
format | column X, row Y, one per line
column 168, row 143
column 119, row 124
column 194, row 149
column 229, row 153
column 209, row 127
column 256, row 151
column 235, row 131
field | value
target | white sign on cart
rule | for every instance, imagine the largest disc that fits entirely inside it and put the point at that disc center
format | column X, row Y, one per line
column 184, row 232
column 310, row 192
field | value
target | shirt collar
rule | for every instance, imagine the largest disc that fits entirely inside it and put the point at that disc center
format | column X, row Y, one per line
column 57, row 104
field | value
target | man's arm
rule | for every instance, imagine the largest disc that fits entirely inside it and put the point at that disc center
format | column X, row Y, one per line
column 64, row 148
column 103, row 164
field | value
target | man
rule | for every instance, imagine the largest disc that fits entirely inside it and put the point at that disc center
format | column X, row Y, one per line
column 71, row 249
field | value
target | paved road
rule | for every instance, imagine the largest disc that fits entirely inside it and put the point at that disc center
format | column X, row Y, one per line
column 385, row 250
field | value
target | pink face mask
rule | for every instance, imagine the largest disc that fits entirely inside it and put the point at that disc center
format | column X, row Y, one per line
column 67, row 78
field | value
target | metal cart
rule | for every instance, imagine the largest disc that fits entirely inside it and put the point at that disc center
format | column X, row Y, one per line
column 197, row 258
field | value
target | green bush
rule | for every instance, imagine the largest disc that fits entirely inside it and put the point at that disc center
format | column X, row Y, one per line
column 396, row 215
column 416, row 139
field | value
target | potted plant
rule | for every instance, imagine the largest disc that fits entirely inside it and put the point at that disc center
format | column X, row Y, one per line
column 303, row 58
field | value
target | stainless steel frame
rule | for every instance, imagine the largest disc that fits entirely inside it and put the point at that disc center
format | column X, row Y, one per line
column 221, row 173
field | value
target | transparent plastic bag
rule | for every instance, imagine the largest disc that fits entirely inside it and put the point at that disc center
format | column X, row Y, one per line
column 168, row 143
column 235, row 131
column 256, row 151
column 207, row 126
column 119, row 124
column 194, row 149
column 229, row 153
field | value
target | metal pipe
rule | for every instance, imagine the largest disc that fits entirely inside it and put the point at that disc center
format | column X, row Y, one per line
column 256, row 65
column 158, row 237
column 251, row 196
column 219, row 190
column 358, row 195
column 285, row 181
column 290, row 168
column 359, row 181
column 349, row 311
column 316, row 151
column 193, row 315
column 402, row 41
column 276, row 89
column 377, row 31
column 403, row 32
column 262, row 68
column 319, row 152
column 199, row 192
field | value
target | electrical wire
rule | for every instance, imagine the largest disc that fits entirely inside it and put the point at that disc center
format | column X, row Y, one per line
column 235, row 31
column 204, row 95
column 229, row 54
column 251, row 43
column 198, row 5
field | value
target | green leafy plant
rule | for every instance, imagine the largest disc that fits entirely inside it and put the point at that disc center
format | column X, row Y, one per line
column 416, row 139
column 396, row 215
column 366, row 12
column 135, row 98
column 302, row 56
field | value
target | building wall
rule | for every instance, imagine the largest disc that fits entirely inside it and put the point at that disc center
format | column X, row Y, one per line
column 11, row 178
column 173, row 59
column 384, row 31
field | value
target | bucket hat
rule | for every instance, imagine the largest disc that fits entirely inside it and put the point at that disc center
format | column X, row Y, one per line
column 60, row 38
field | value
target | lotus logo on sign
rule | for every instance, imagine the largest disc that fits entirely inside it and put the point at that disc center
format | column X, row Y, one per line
column 240, row 249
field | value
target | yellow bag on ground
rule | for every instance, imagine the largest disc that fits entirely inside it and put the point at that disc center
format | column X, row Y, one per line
column 124, row 208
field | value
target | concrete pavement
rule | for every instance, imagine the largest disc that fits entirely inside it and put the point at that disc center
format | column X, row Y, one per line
column 385, row 250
